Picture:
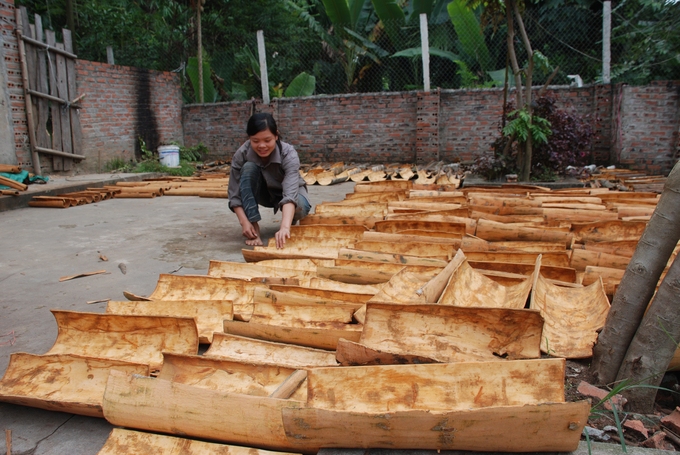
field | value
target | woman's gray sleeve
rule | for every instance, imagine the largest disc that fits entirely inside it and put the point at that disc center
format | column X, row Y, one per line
column 291, row 180
column 234, row 189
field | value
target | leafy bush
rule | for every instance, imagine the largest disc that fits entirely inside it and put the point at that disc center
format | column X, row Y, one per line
column 491, row 167
column 561, row 138
column 569, row 143
column 151, row 162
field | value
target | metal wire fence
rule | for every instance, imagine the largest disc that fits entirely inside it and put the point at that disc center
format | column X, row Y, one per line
column 386, row 55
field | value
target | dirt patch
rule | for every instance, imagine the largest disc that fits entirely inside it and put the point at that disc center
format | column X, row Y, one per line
column 579, row 370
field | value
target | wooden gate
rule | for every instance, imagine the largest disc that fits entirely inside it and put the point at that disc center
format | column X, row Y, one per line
column 49, row 77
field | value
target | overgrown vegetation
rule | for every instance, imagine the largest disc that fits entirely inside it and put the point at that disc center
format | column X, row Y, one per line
column 374, row 46
column 562, row 138
column 188, row 157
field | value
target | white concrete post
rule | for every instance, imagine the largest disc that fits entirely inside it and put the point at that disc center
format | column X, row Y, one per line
column 263, row 67
column 109, row 55
column 425, row 44
column 200, row 55
column 606, row 41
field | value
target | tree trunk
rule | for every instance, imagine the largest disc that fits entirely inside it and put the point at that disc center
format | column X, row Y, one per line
column 639, row 282
column 525, row 170
column 513, row 57
column 652, row 348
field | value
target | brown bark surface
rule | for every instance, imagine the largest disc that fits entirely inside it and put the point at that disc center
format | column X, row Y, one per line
column 639, row 282
column 654, row 344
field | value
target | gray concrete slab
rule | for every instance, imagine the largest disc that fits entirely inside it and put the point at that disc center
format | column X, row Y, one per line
column 170, row 234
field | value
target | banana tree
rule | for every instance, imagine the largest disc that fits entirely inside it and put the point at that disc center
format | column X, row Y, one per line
column 401, row 27
column 341, row 27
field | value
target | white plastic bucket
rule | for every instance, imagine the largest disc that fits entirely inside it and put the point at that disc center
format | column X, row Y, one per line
column 169, row 155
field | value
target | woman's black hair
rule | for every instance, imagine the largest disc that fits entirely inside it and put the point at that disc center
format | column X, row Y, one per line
column 260, row 122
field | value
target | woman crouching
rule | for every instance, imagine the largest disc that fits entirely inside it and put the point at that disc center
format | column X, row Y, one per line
column 266, row 171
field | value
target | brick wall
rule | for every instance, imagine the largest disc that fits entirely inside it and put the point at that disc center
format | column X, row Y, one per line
column 358, row 127
column 404, row 127
column 120, row 105
column 650, row 122
column 15, row 87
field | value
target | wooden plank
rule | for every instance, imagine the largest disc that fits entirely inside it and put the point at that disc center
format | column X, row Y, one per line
column 546, row 427
column 323, row 293
column 573, row 317
column 369, row 256
column 138, row 339
column 453, row 334
column 336, row 286
column 386, row 186
column 168, row 407
column 371, row 236
column 403, row 288
column 76, row 131
column 128, row 442
column 493, row 231
column 247, row 378
column 566, row 274
column 199, row 287
column 437, row 387
column 420, row 249
column 291, row 385
column 62, row 90
column 57, row 161
column 261, row 253
column 354, row 275
column 308, row 265
column 386, row 267
column 248, row 271
column 367, row 221
column 262, row 295
column 475, row 244
column 328, row 231
column 364, row 210
column 43, row 112
column 237, row 348
column 407, row 287
column 470, row 288
column 555, row 259
column 312, row 243
column 313, row 338
column 394, row 226
column 350, row 353
column 208, row 314
column 61, row 382
column 302, row 316
column 608, row 231
column 611, row 278
column 580, row 259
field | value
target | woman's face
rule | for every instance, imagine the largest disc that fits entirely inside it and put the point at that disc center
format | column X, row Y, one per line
column 264, row 143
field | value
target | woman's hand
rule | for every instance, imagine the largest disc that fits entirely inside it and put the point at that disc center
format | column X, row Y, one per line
column 288, row 211
column 249, row 230
column 281, row 236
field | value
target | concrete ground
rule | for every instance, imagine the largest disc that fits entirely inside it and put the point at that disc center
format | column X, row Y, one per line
column 149, row 237
column 170, row 234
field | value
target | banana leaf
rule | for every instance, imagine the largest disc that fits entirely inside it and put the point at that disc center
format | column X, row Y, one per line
column 338, row 12
column 469, row 33
column 417, row 51
column 223, row 63
column 393, row 19
column 209, row 92
column 303, row 85
column 499, row 76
